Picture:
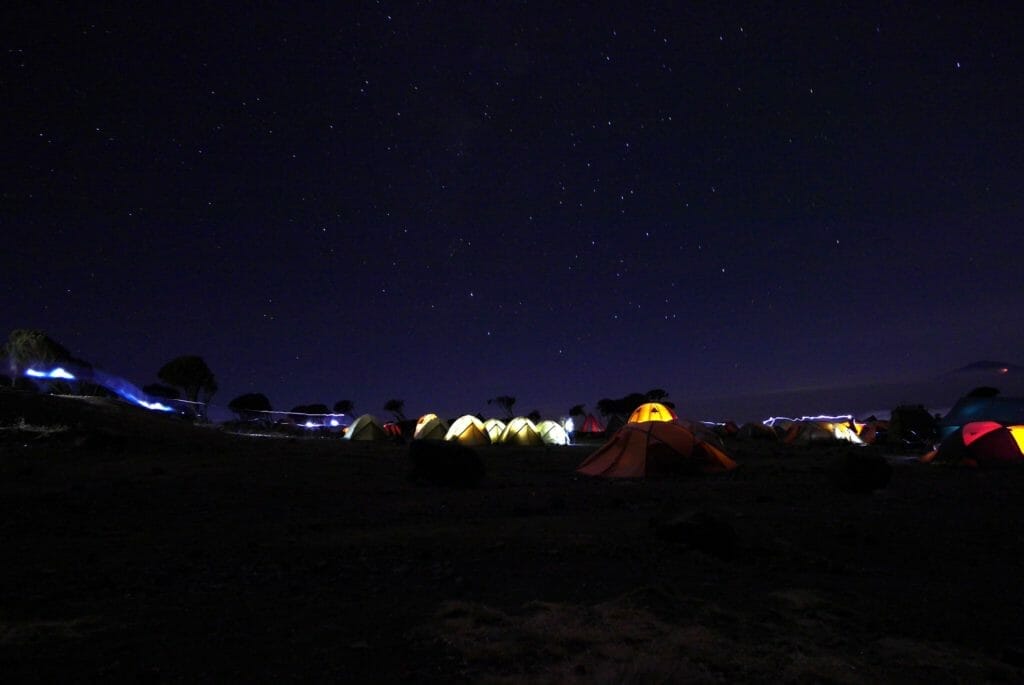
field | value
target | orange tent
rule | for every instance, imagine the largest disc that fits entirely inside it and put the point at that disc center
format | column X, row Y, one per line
column 654, row 448
column 652, row 411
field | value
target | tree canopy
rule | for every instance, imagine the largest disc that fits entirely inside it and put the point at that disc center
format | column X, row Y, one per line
column 250, row 406
column 192, row 375
column 26, row 347
column 344, row 406
column 397, row 409
column 506, row 402
column 160, row 390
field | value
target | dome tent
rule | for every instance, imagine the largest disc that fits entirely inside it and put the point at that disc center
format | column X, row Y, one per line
column 652, row 411
column 494, row 428
column 521, row 431
column 366, row 428
column 981, row 443
column 654, row 448
column 590, row 426
column 430, row 427
column 552, row 433
column 468, row 430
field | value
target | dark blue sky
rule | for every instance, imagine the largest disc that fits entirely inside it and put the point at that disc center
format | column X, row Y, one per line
column 444, row 203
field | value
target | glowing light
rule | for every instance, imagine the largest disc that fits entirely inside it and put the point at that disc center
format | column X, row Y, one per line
column 335, row 423
column 831, row 419
column 569, row 425
column 309, row 424
column 127, row 391
column 58, row 372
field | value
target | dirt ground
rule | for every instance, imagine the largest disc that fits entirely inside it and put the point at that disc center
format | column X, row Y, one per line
column 138, row 547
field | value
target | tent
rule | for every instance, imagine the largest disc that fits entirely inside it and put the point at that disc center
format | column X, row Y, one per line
column 756, row 431
column 652, row 411
column 468, row 430
column 552, row 433
column 430, row 427
column 520, row 431
column 590, row 426
column 982, row 443
column 365, row 428
column 806, row 432
column 653, row 448
column 494, row 429
column 1005, row 410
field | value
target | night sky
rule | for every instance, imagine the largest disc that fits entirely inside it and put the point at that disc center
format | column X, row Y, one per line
column 443, row 203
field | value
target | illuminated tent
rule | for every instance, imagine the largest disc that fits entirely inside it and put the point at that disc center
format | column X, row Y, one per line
column 468, row 430
column 872, row 431
column 1005, row 410
column 520, row 431
column 806, row 432
column 590, row 426
column 430, row 427
column 552, row 433
column 981, row 443
column 366, row 428
column 652, row 411
column 756, row 431
column 654, row 448
column 494, row 429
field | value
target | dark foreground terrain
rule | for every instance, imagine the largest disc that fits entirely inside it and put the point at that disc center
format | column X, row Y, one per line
column 136, row 547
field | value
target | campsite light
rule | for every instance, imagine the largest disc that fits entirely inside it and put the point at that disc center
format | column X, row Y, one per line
column 569, row 425
column 59, row 372
column 843, row 417
column 309, row 424
column 334, row 423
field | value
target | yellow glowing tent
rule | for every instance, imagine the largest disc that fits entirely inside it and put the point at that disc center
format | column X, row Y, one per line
column 521, row 431
column 552, row 433
column 468, row 430
column 494, row 428
column 652, row 411
column 430, row 427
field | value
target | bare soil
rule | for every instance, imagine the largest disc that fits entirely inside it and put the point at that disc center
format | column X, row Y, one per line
column 139, row 547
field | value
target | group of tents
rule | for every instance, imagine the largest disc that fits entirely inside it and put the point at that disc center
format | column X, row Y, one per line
column 467, row 430
column 653, row 440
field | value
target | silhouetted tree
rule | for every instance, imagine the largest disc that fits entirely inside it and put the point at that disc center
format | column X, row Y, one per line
column 192, row 375
column 984, row 391
column 160, row 390
column 656, row 395
column 577, row 410
column 396, row 407
column 250, row 406
column 29, row 347
column 344, row 406
column 534, row 416
column 306, row 412
column 506, row 402
column 621, row 407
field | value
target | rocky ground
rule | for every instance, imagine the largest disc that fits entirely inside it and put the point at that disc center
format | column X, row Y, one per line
column 139, row 547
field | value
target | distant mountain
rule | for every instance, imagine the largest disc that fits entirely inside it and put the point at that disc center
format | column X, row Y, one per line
column 988, row 367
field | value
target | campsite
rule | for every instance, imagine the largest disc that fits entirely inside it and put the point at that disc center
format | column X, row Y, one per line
column 141, row 547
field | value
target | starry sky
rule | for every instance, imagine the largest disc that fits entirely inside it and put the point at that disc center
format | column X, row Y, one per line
column 446, row 202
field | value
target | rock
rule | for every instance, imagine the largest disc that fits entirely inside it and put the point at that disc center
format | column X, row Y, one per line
column 445, row 463
column 701, row 530
column 861, row 472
